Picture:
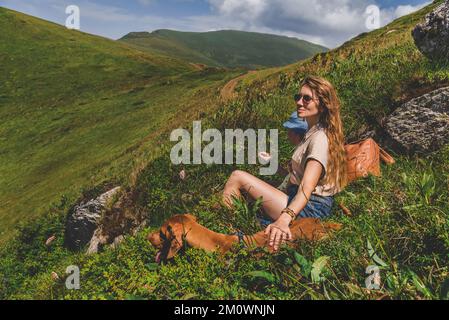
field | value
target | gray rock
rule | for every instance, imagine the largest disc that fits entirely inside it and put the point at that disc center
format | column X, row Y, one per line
column 97, row 241
column 84, row 218
column 107, row 197
column 432, row 36
column 369, row 134
column 422, row 124
column 117, row 241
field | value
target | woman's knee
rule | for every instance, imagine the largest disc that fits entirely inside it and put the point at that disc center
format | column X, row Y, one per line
column 238, row 176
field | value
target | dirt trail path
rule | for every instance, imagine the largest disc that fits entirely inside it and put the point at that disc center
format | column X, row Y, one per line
column 198, row 66
column 228, row 91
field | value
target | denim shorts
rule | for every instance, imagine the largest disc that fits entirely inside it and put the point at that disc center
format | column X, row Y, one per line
column 317, row 207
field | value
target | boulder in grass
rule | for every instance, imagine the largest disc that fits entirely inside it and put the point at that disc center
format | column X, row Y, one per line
column 83, row 220
column 422, row 124
column 432, row 36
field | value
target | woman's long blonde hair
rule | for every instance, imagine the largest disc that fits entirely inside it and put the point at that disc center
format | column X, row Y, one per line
column 330, row 120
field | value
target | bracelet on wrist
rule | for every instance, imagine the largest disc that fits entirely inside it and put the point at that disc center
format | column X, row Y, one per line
column 290, row 212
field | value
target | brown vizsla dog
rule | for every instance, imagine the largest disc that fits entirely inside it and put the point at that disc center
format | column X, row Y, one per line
column 181, row 229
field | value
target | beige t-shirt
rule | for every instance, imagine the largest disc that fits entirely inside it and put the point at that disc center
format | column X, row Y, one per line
column 315, row 145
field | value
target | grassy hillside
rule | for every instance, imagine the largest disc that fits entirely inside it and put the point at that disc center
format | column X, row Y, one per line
column 401, row 217
column 77, row 110
column 225, row 48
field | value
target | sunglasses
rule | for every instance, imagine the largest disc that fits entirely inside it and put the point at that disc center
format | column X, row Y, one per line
column 305, row 97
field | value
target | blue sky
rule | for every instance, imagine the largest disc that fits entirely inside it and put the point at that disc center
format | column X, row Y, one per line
column 327, row 22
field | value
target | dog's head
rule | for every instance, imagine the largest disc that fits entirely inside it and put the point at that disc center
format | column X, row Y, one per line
column 169, row 239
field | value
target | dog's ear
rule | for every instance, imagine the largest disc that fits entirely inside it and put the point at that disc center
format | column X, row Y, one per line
column 155, row 239
column 176, row 238
column 305, row 228
column 325, row 230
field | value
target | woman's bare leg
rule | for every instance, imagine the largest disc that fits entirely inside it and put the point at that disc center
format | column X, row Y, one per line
column 274, row 200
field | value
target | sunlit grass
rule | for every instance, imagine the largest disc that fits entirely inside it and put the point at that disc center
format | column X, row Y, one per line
column 399, row 221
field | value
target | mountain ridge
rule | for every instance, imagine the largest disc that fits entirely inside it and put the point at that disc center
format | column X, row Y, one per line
column 225, row 48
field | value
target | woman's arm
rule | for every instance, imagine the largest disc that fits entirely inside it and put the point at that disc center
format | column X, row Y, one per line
column 309, row 182
column 280, row 230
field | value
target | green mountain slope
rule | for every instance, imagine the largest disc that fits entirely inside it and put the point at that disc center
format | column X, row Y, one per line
column 74, row 108
column 227, row 48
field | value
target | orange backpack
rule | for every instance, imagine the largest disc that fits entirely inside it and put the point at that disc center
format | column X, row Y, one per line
column 363, row 158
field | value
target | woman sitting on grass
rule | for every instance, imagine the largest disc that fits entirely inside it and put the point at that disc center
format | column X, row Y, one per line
column 318, row 165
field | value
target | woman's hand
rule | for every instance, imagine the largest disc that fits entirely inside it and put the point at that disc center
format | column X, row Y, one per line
column 279, row 232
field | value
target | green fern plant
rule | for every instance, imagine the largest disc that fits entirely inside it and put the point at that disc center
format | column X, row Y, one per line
column 244, row 216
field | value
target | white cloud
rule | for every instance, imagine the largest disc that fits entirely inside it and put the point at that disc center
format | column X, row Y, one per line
column 390, row 14
column 145, row 2
column 404, row 10
column 248, row 9
column 328, row 22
